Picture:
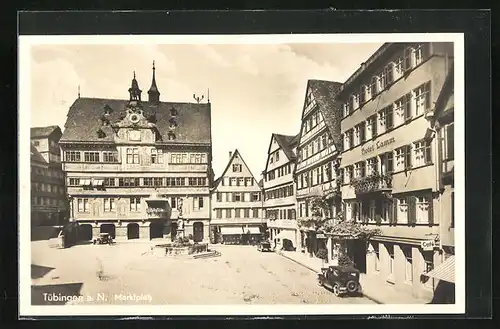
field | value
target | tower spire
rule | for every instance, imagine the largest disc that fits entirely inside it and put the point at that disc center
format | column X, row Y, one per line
column 134, row 91
column 154, row 94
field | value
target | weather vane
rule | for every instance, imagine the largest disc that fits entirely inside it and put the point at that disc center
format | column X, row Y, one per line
column 198, row 98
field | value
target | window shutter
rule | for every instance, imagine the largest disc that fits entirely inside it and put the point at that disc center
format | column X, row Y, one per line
column 430, row 210
column 412, row 211
column 408, row 157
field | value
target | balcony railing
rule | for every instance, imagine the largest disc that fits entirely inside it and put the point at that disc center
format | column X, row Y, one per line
column 372, row 183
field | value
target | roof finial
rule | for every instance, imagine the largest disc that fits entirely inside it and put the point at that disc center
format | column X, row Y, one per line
column 208, row 95
column 134, row 74
column 78, row 91
column 153, row 65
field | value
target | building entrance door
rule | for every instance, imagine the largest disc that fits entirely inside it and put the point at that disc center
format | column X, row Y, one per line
column 198, row 232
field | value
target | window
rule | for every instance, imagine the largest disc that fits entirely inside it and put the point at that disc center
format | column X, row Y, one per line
column 423, row 205
column 255, row 213
column 173, row 202
column 387, row 162
column 359, row 169
column 158, row 181
column 398, row 70
column 374, row 86
column 256, row 196
column 386, row 122
column 372, row 210
column 156, row 156
column 218, row 213
column 356, row 214
column 236, row 197
column 402, row 110
column 72, row 182
column 236, row 168
column 408, row 264
column 133, row 155
column 420, row 53
column 91, row 156
column 219, row 197
column 248, row 181
column 171, row 136
column 228, row 213
column 110, row 157
column 350, row 138
column 371, row 167
column 200, row 202
column 83, row 205
column 148, row 181
column 128, row 182
column 422, row 98
column 109, row 182
column 135, row 204
column 359, row 134
column 386, row 211
column 73, row 156
column 355, row 101
column 348, row 174
column 237, row 213
column 449, row 140
column 346, row 109
column 403, row 158
column 390, row 252
column 422, row 153
column 371, row 127
column 109, row 204
column 402, row 211
column 246, row 213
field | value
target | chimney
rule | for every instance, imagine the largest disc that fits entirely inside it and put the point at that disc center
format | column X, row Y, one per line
column 230, row 154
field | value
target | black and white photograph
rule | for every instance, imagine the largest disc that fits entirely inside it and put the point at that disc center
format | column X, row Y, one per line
column 241, row 174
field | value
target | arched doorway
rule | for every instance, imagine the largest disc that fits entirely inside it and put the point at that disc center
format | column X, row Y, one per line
column 133, row 231
column 198, row 232
column 109, row 228
column 156, row 230
column 86, row 232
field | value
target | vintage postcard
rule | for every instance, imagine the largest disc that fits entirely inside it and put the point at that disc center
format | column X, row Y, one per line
column 241, row 174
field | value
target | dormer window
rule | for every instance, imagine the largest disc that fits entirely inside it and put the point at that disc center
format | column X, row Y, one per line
column 173, row 124
column 107, row 110
column 171, row 136
column 173, row 112
column 101, row 134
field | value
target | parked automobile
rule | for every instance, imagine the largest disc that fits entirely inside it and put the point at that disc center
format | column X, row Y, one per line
column 264, row 246
column 104, row 238
column 342, row 280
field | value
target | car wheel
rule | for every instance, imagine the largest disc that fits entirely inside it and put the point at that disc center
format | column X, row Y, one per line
column 336, row 289
column 320, row 283
column 352, row 286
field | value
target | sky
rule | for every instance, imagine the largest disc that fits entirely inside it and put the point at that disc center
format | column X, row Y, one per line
column 255, row 89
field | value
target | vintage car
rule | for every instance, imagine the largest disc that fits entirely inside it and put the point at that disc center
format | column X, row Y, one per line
column 342, row 280
column 104, row 238
column 264, row 246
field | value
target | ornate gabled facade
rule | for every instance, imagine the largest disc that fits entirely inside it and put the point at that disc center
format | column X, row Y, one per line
column 48, row 193
column 139, row 169
column 279, row 190
column 237, row 214
column 317, row 156
column 389, row 172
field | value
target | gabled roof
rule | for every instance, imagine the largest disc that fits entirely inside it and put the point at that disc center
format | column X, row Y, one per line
column 324, row 93
column 236, row 152
column 36, row 156
column 84, row 120
column 287, row 144
column 41, row 132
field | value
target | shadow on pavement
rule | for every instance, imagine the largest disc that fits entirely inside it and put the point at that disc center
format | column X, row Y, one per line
column 38, row 271
column 55, row 294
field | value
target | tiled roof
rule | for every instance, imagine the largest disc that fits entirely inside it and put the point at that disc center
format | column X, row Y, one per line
column 287, row 144
column 84, row 120
column 233, row 155
column 325, row 92
column 36, row 156
column 38, row 132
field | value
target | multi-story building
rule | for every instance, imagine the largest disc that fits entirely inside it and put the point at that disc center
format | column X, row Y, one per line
column 279, row 189
column 237, row 214
column 317, row 157
column 48, row 199
column 389, row 177
column 139, row 169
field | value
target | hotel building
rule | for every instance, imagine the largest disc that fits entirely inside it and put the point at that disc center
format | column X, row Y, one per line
column 139, row 169
column 389, row 173
column 237, row 214
column 317, row 151
column 279, row 189
column 48, row 193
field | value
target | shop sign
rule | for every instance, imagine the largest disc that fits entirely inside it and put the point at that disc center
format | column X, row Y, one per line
column 378, row 145
column 428, row 245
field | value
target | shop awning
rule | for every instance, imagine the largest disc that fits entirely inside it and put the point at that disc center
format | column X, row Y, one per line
column 444, row 271
column 252, row 230
column 231, row 230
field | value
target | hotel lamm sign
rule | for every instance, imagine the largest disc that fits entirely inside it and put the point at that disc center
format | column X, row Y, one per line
column 378, row 145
